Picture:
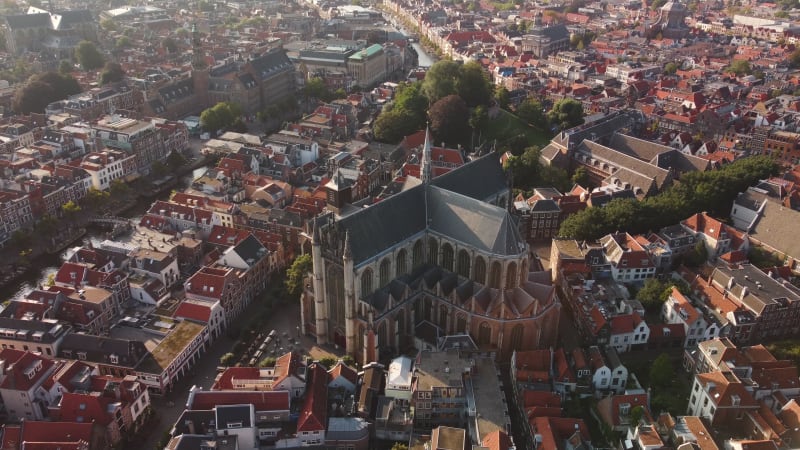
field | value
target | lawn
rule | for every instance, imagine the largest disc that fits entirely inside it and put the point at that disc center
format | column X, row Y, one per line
column 507, row 125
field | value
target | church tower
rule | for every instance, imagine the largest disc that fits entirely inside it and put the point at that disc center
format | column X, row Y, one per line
column 200, row 73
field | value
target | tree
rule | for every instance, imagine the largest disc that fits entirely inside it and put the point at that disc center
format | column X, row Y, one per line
column 566, row 113
column 175, row 160
column 529, row 172
column 316, row 88
column 34, row 97
column 449, row 118
column 119, row 188
column 295, row 274
column 653, row 294
column 637, row 413
column 661, row 371
column 394, row 124
column 268, row 362
column 70, row 209
column 581, row 177
column 112, row 73
column 440, row 80
column 478, row 118
column 328, row 362
column 400, row 446
column 532, row 112
column 108, row 25
column 472, row 85
column 409, row 98
column 502, row 97
column 227, row 359
column 65, row 67
column 221, row 115
column 670, row 68
column 740, row 67
column 95, row 198
column 123, row 42
column 159, row 169
column 88, row 56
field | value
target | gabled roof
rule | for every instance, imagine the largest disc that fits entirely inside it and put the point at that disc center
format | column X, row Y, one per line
column 261, row 400
column 23, row 370
column 314, row 413
column 343, row 370
column 193, row 311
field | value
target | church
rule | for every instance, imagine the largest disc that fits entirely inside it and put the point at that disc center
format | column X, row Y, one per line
column 443, row 257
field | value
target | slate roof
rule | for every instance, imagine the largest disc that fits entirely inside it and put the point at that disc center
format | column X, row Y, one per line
column 479, row 179
column 228, row 414
column 98, row 349
column 777, row 228
column 487, row 227
column 28, row 21
column 271, row 63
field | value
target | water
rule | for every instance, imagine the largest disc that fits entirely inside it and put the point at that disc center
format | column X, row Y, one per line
column 49, row 264
column 424, row 58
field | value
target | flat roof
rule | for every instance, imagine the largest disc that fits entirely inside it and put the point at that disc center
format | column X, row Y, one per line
column 492, row 410
column 162, row 356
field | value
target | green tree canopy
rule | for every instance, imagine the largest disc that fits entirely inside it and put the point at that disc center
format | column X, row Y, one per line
column 301, row 266
column 502, row 97
column 316, row 88
column 219, row 116
column 566, row 113
column 65, row 67
column 449, row 119
column 529, row 172
column 88, row 56
column 712, row 191
column 532, row 112
column 440, row 80
column 394, row 124
column 112, row 73
column 670, row 68
column 740, row 67
column 661, row 372
column 473, row 85
column 43, row 89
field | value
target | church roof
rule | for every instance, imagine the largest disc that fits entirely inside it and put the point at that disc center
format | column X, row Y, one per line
column 478, row 179
column 482, row 225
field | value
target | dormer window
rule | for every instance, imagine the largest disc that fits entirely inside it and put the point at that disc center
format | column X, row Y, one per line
column 114, row 359
column 82, row 356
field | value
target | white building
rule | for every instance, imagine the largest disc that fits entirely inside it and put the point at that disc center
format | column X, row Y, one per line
column 679, row 310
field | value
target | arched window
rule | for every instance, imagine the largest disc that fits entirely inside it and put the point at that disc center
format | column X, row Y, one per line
column 494, row 275
column 427, row 311
column 463, row 263
column 511, row 276
column 418, row 256
column 447, row 257
column 516, row 337
column 461, row 324
column 443, row 318
column 384, row 273
column 433, row 251
column 484, row 334
column 366, row 282
column 401, row 262
column 480, row 270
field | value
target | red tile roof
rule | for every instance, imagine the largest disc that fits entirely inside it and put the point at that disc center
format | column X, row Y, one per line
column 17, row 362
column 64, row 434
column 261, row 400
column 343, row 370
column 193, row 311
column 497, row 440
column 314, row 413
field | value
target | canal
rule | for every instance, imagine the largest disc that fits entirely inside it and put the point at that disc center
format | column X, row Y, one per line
column 49, row 264
column 424, row 59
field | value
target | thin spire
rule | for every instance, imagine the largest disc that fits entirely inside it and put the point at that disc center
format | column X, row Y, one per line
column 348, row 252
column 425, row 166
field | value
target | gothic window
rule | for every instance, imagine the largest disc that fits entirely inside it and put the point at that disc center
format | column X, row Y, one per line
column 418, row 254
column 480, row 270
column 366, row 282
column 463, row 263
column 484, row 334
column 516, row 337
column 334, row 284
column 494, row 275
column 461, row 324
column 443, row 318
column 401, row 262
column 447, row 257
column 427, row 309
column 433, row 251
column 511, row 276
column 384, row 273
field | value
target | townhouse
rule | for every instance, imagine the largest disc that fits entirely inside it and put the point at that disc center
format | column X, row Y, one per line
column 679, row 310
column 22, row 378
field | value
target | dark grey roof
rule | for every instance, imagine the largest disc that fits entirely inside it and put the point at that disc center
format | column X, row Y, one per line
column 250, row 250
column 386, row 223
column 473, row 222
column 480, row 179
column 98, row 349
column 638, row 148
column 271, row 63
column 545, row 205
column 73, row 17
column 25, row 329
column 28, row 21
column 177, row 91
column 233, row 414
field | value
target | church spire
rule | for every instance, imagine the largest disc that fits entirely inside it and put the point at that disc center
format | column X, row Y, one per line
column 425, row 166
column 198, row 56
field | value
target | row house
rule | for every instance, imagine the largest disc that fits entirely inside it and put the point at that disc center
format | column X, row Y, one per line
column 608, row 374
column 115, row 404
column 163, row 266
column 718, row 237
column 107, row 166
column 679, row 310
column 22, row 378
column 15, row 213
column 216, row 284
column 51, row 192
column 95, row 102
column 135, row 137
column 171, row 218
column 44, row 336
column 774, row 308
column 630, row 262
column 209, row 314
column 287, row 375
column 251, row 259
